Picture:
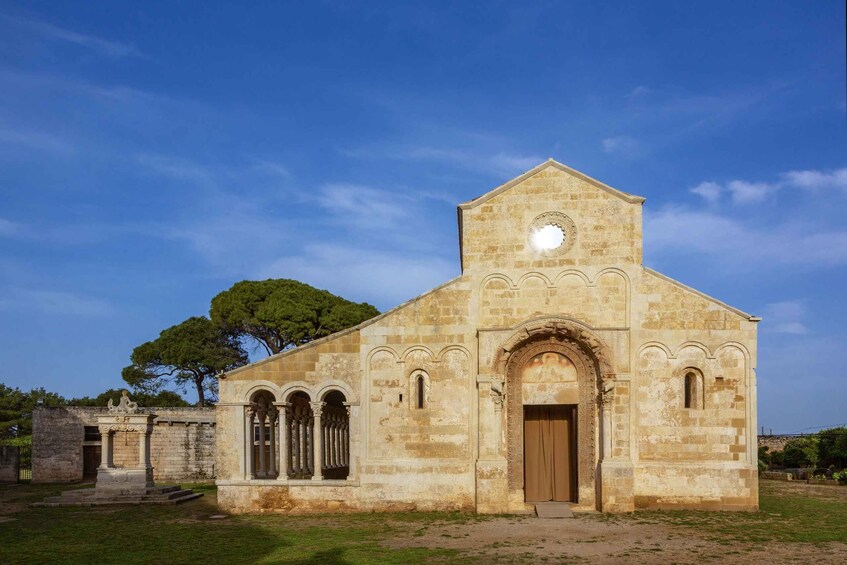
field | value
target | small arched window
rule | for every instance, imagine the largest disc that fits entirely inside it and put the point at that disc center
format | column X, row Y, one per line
column 693, row 392
column 419, row 393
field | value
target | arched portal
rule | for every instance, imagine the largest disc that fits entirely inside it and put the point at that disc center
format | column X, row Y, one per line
column 554, row 373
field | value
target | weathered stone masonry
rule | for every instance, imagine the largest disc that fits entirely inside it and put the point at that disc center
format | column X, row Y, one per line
column 182, row 443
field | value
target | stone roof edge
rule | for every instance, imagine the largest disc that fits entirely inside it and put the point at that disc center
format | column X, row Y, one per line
column 631, row 198
column 342, row 333
column 712, row 299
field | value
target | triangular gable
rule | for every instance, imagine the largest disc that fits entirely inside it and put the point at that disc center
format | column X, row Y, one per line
column 631, row 198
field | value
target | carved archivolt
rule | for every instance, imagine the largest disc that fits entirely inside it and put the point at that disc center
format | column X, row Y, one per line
column 563, row 329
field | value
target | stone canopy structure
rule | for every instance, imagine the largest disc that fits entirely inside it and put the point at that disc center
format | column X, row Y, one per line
column 556, row 367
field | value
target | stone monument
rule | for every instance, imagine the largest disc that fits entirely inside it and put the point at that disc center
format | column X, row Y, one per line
column 125, row 417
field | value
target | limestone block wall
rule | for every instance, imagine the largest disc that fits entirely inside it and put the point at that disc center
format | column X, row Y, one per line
column 182, row 443
column 705, row 455
column 8, row 464
column 608, row 225
column 57, row 437
column 403, row 456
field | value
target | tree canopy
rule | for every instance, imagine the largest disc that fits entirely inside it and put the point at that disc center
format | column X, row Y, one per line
column 16, row 409
column 191, row 352
column 162, row 398
column 282, row 313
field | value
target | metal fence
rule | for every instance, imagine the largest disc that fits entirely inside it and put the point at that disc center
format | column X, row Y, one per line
column 24, row 463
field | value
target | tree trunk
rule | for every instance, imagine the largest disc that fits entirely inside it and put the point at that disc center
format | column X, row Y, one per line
column 201, row 398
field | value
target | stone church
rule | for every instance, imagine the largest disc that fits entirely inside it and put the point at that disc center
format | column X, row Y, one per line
column 556, row 367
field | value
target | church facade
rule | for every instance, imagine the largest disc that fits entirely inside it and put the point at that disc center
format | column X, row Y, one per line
column 556, row 367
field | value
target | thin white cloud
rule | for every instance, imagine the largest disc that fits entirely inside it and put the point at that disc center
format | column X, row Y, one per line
column 785, row 317
column 176, row 168
column 744, row 192
column 56, row 33
column 381, row 278
column 639, row 91
column 747, row 192
column 34, row 140
column 478, row 160
column 816, row 180
column 363, row 206
column 709, row 191
column 272, row 168
column 9, row 228
column 679, row 229
column 54, row 302
column 622, row 145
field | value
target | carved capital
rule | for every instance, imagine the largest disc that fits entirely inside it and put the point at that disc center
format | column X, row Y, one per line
column 317, row 408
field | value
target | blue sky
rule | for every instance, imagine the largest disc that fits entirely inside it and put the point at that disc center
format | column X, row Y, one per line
column 151, row 154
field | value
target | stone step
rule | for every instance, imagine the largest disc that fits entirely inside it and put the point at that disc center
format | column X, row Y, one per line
column 87, row 497
column 553, row 510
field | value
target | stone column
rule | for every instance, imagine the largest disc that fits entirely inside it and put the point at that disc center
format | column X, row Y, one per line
column 105, row 448
column 261, row 414
column 272, row 415
column 351, row 459
column 249, row 414
column 317, row 443
column 607, row 401
column 143, row 451
column 284, row 451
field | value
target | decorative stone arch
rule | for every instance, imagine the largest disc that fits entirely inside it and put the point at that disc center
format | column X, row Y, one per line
column 695, row 344
column 562, row 329
column 656, row 345
column 534, row 275
column 267, row 386
column 422, row 348
column 572, row 272
column 596, row 380
column 440, row 357
column 288, row 389
column 328, row 386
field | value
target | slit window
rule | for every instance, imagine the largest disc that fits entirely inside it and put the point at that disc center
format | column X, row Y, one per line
column 418, row 390
column 693, row 390
column 421, row 391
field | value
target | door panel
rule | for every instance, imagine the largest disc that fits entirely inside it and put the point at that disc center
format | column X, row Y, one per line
column 550, row 453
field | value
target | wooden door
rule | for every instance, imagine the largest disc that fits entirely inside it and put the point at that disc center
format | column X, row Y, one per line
column 90, row 461
column 550, row 453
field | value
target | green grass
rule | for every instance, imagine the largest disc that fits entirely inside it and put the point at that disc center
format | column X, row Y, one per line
column 187, row 534
column 785, row 515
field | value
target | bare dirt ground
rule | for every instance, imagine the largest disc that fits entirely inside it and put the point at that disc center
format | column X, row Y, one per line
column 652, row 537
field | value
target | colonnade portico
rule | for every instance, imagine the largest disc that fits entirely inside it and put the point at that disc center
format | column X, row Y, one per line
column 297, row 439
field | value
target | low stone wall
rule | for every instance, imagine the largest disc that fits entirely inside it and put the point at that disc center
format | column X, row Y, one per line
column 775, row 443
column 182, row 443
column 775, row 476
column 8, row 464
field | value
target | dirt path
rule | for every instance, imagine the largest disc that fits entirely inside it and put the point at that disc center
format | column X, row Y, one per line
column 595, row 540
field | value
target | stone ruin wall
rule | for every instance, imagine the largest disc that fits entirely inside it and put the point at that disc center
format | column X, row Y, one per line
column 182, row 445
